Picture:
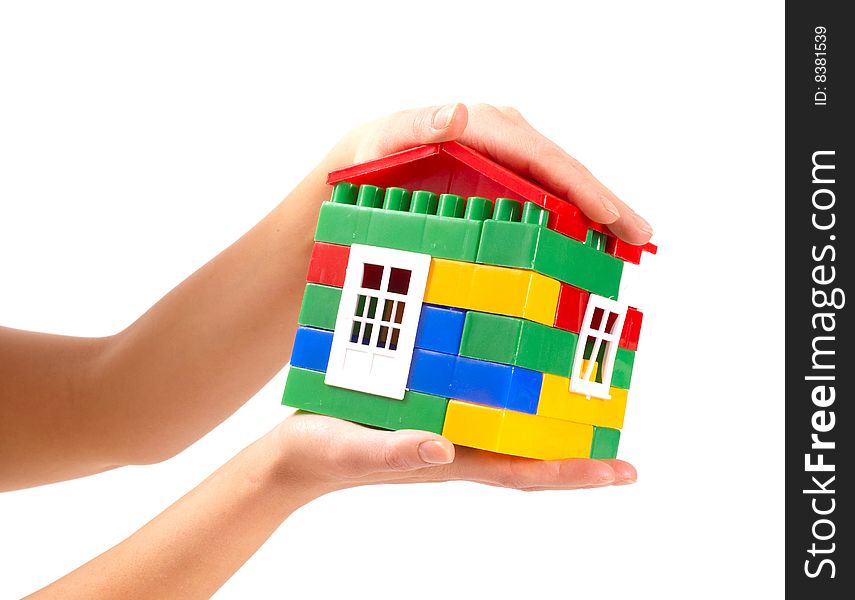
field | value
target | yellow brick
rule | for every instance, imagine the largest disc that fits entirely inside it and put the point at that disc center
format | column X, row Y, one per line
column 595, row 373
column 542, row 301
column 558, row 402
column 516, row 433
column 491, row 289
column 473, row 425
column 448, row 282
column 534, row 436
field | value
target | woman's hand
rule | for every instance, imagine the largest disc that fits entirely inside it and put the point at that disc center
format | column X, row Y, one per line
column 333, row 454
column 505, row 136
column 191, row 548
column 321, row 454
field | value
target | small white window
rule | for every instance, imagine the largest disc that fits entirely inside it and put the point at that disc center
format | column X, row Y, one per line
column 598, row 337
column 375, row 330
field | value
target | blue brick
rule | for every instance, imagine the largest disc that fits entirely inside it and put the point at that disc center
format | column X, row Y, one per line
column 440, row 329
column 478, row 381
column 440, row 374
column 432, row 372
column 495, row 384
column 311, row 348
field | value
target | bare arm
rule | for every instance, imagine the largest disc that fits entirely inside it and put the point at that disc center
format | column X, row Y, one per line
column 194, row 546
column 190, row 549
column 74, row 406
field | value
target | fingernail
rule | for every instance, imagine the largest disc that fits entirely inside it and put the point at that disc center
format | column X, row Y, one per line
column 643, row 225
column 434, row 453
column 443, row 116
column 609, row 206
column 605, row 476
column 605, row 479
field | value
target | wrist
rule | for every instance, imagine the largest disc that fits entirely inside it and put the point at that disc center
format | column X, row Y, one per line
column 287, row 472
column 298, row 212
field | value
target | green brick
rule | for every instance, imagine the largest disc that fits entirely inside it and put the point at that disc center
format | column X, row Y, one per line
column 424, row 202
column 396, row 199
column 519, row 342
column 478, row 208
column 396, row 229
column 622, row 373
column 530, row 246
column 491, row 337
column 344, row 192
column 622, row 370
column 340, row 223
column 605, row 442
column 320, row 306
column 596, row 240
column 507, row 209
column 532, row 213
column 371, row 196
column 454, row 238
column 306, row 390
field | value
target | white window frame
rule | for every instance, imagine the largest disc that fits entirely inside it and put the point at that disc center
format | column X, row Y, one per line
column 374, row 367
column 583, row 382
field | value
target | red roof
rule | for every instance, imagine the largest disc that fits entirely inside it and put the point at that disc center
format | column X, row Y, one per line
column 451, row 167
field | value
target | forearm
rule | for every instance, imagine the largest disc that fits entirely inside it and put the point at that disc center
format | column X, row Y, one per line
column 74, row 406
column 194, row 546
column 44, row 381
column 216, row 339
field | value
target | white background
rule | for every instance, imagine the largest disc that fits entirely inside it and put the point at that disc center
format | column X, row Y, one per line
column 136, row 143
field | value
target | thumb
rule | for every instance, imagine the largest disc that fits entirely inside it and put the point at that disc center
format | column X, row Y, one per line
column 410, row 128
column 396, row 451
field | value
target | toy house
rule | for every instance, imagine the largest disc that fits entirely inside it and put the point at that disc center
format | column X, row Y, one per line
column 448, row 294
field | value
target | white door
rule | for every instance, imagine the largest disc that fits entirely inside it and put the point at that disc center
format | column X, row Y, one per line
column 375, row 330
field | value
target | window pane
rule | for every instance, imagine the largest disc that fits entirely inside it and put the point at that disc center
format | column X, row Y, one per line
column 366, row 333
column 595, row 371
column 383, row 335
column 601, row 354
column 360, row 305
column 394, row 343
column 372, row 307
column 613, row 317
column 354, row 332
column 387, row 310
column 589, row 347
column 597, row 318
column 372, row 275
column 399, row 312
column 399, row 280
column 596, row 240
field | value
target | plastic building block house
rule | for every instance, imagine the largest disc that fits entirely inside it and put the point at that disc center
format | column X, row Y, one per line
column 448, row 294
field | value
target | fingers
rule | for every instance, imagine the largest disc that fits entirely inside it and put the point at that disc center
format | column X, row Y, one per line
column 529, row 474
column 411, row 128
column 625, row 473
column 523, row 474
column 505, row 136
column 395, row 451
column 345, row 454
column 513, row 114
column 353, row 451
